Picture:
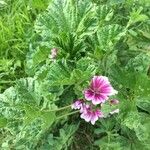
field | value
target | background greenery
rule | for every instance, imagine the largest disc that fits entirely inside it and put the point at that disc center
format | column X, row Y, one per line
column 108, row 37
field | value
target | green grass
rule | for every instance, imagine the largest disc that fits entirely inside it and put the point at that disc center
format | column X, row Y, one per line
column 16, row 31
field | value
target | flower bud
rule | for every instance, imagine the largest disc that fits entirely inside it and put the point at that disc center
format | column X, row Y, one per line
column 77, row 104
column 114, row 102
column 53, row 53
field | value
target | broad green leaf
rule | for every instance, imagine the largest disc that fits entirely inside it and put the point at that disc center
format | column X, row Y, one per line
column 71, row 20
column 139, row 64
column 31, row 113
column 58, row 74
column 136, row 16
column 83, row 71
column 48, row 119
column 41, row 54
column 28, row 91
column 104, row 13
column 65, row 137
column 132, row 120
column 108, row 142
column 144, row 103
column 108, row 36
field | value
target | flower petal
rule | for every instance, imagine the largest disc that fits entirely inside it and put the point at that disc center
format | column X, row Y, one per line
column 94, row 118
column 86, row 116
column 99, row 98
column 99, row 91
column 88, row 94
column 99, row 113
column 98, row 82
column 77, row 104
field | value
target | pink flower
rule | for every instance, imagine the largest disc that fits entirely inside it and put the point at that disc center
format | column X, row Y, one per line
column 99, row 91
column 91, row 116
column 53, row 53
column 85, row 108
column 77, row 104
column 114, row 102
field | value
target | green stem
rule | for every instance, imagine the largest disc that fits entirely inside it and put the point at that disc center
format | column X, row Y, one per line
column 108, row 134
column 2, row 82
column 69, row 106
column 67, row 114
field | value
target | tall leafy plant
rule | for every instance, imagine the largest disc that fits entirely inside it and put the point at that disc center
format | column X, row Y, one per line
column 72, row 20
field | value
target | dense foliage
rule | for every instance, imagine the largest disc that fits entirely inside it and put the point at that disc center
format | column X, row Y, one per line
column 92, row 37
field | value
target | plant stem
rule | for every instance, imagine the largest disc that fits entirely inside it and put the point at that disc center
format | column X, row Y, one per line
column 67, row 114
column 2, row 82
column 69, row 106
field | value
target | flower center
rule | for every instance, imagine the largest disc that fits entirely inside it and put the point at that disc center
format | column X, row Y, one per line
column 95, row 90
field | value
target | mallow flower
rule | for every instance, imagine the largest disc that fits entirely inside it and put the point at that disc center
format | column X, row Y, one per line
column 99, row 90
column 86, row 111
column 90, row 115
column 78, row 104
column 97, row 93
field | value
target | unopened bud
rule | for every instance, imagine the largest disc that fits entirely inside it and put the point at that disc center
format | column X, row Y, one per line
column 114, row 102
column 53, row 53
